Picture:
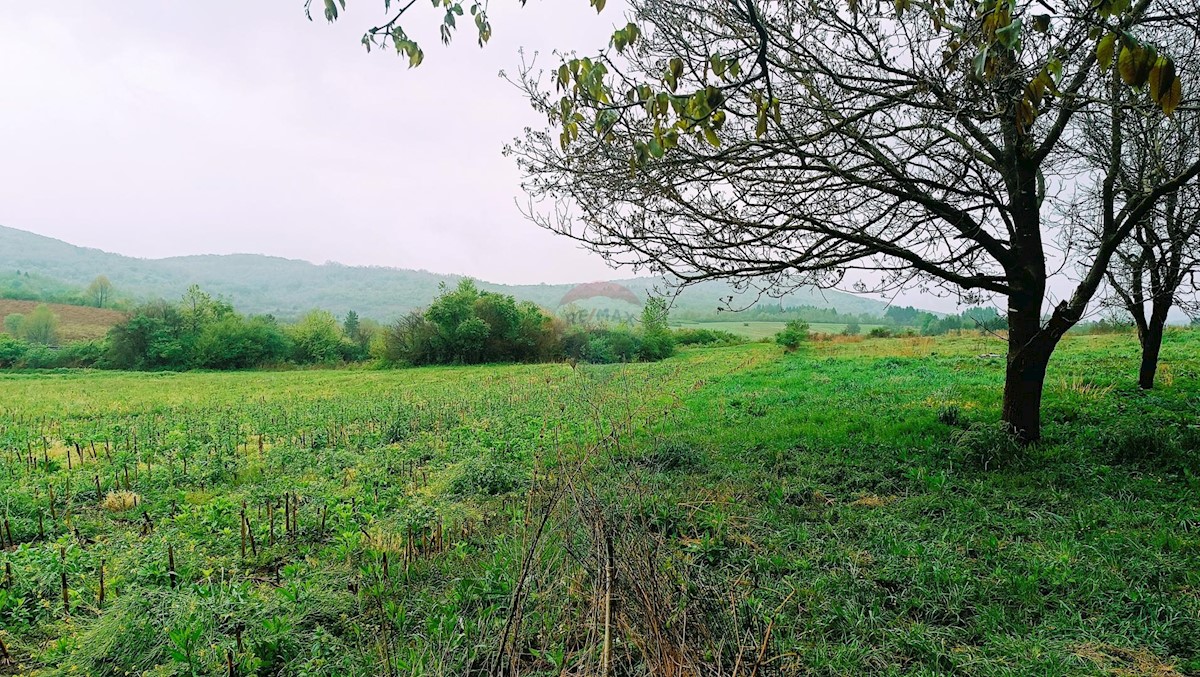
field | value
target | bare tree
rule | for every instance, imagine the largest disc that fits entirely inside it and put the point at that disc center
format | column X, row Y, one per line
column 878, row 145
column 1154, row 270
column 1131, row 147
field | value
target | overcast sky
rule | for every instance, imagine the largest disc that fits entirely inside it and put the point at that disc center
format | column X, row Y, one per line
column 154, row 128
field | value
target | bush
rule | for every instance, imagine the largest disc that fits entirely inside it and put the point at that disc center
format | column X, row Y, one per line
column 237, row 343
column 793, row 335
column 852, row 329
column 488, row 476
column 879, row 332
column 40, row 326
column 12, row 351
column 706, row 337
column 468, row 326
column 317, row 339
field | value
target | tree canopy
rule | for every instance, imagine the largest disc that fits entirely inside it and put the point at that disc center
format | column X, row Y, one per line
column 880, row 145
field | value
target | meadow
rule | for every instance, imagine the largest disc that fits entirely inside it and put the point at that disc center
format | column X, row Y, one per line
column 756, row 330
column 850, row 508
column 75, row 323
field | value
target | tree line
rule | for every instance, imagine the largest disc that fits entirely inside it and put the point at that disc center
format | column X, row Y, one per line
column 463, row 325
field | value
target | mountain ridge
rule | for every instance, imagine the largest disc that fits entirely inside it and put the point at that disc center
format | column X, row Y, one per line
column 264, row 283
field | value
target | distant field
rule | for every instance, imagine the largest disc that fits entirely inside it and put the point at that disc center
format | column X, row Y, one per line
column 757, row 330
column 75, row 323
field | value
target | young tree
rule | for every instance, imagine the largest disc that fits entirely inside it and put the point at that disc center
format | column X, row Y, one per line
column 657, row 342
column 100, row 291
column 12, row 324
column 351, row 327
column 40, row 326
column 1154, row 269
column 892, row 144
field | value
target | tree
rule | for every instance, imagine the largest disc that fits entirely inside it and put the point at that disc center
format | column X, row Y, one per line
column 657, row 341
column 100, row 291
column 316, row 338
column 886, row 144
column 882, row 145
column 40, row 326
column 199, row 308
column 351, row 327
column 12, row 324
column 1154, row 269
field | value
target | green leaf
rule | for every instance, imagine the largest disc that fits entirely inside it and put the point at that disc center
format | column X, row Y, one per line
column 711, row 137
column 1171, row 97
column 1104, row 51
column 1010, row 35
column 979, row 63
column 718, row 65
column 1162, row 76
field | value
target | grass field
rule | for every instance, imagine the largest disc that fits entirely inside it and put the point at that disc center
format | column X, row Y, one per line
column 760, row 330
column 75, row 323
column 848, row 509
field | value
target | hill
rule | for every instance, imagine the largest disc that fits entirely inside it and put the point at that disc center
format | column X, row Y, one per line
column 75, row 323
column 285, row 287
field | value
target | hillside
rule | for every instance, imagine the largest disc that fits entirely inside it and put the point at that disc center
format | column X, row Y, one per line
column 265, row 284
column 75, row 323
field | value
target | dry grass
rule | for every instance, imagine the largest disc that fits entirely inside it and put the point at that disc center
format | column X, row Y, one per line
column 1084, row 389
column 75, row 323
column 873, row 501
column 1114, row 660
column 120, row 501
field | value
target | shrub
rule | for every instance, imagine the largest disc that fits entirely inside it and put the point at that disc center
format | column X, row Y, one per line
column 237, row 343
column 879, row 332
column 793, row 334
column 487, row 475
column 706, row 337
column 316, row 338
column 852, row 329
column 40, row 326
column 12, row 351
column 468, row 326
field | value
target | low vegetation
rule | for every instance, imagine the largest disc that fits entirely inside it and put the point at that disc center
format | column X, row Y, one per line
column 851, row 508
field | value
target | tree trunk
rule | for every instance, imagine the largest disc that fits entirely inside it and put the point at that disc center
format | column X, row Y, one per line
column 1151, row 341
column 1029, row 349
column 1023, row 382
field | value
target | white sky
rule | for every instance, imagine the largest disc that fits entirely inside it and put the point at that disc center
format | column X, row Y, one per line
column 154, row 128
column 157, row 128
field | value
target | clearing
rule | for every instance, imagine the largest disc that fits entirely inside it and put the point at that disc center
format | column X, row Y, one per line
column 75, row 323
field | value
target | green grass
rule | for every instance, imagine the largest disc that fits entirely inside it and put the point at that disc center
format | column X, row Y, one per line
column 852, row 508
column 760, row 330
